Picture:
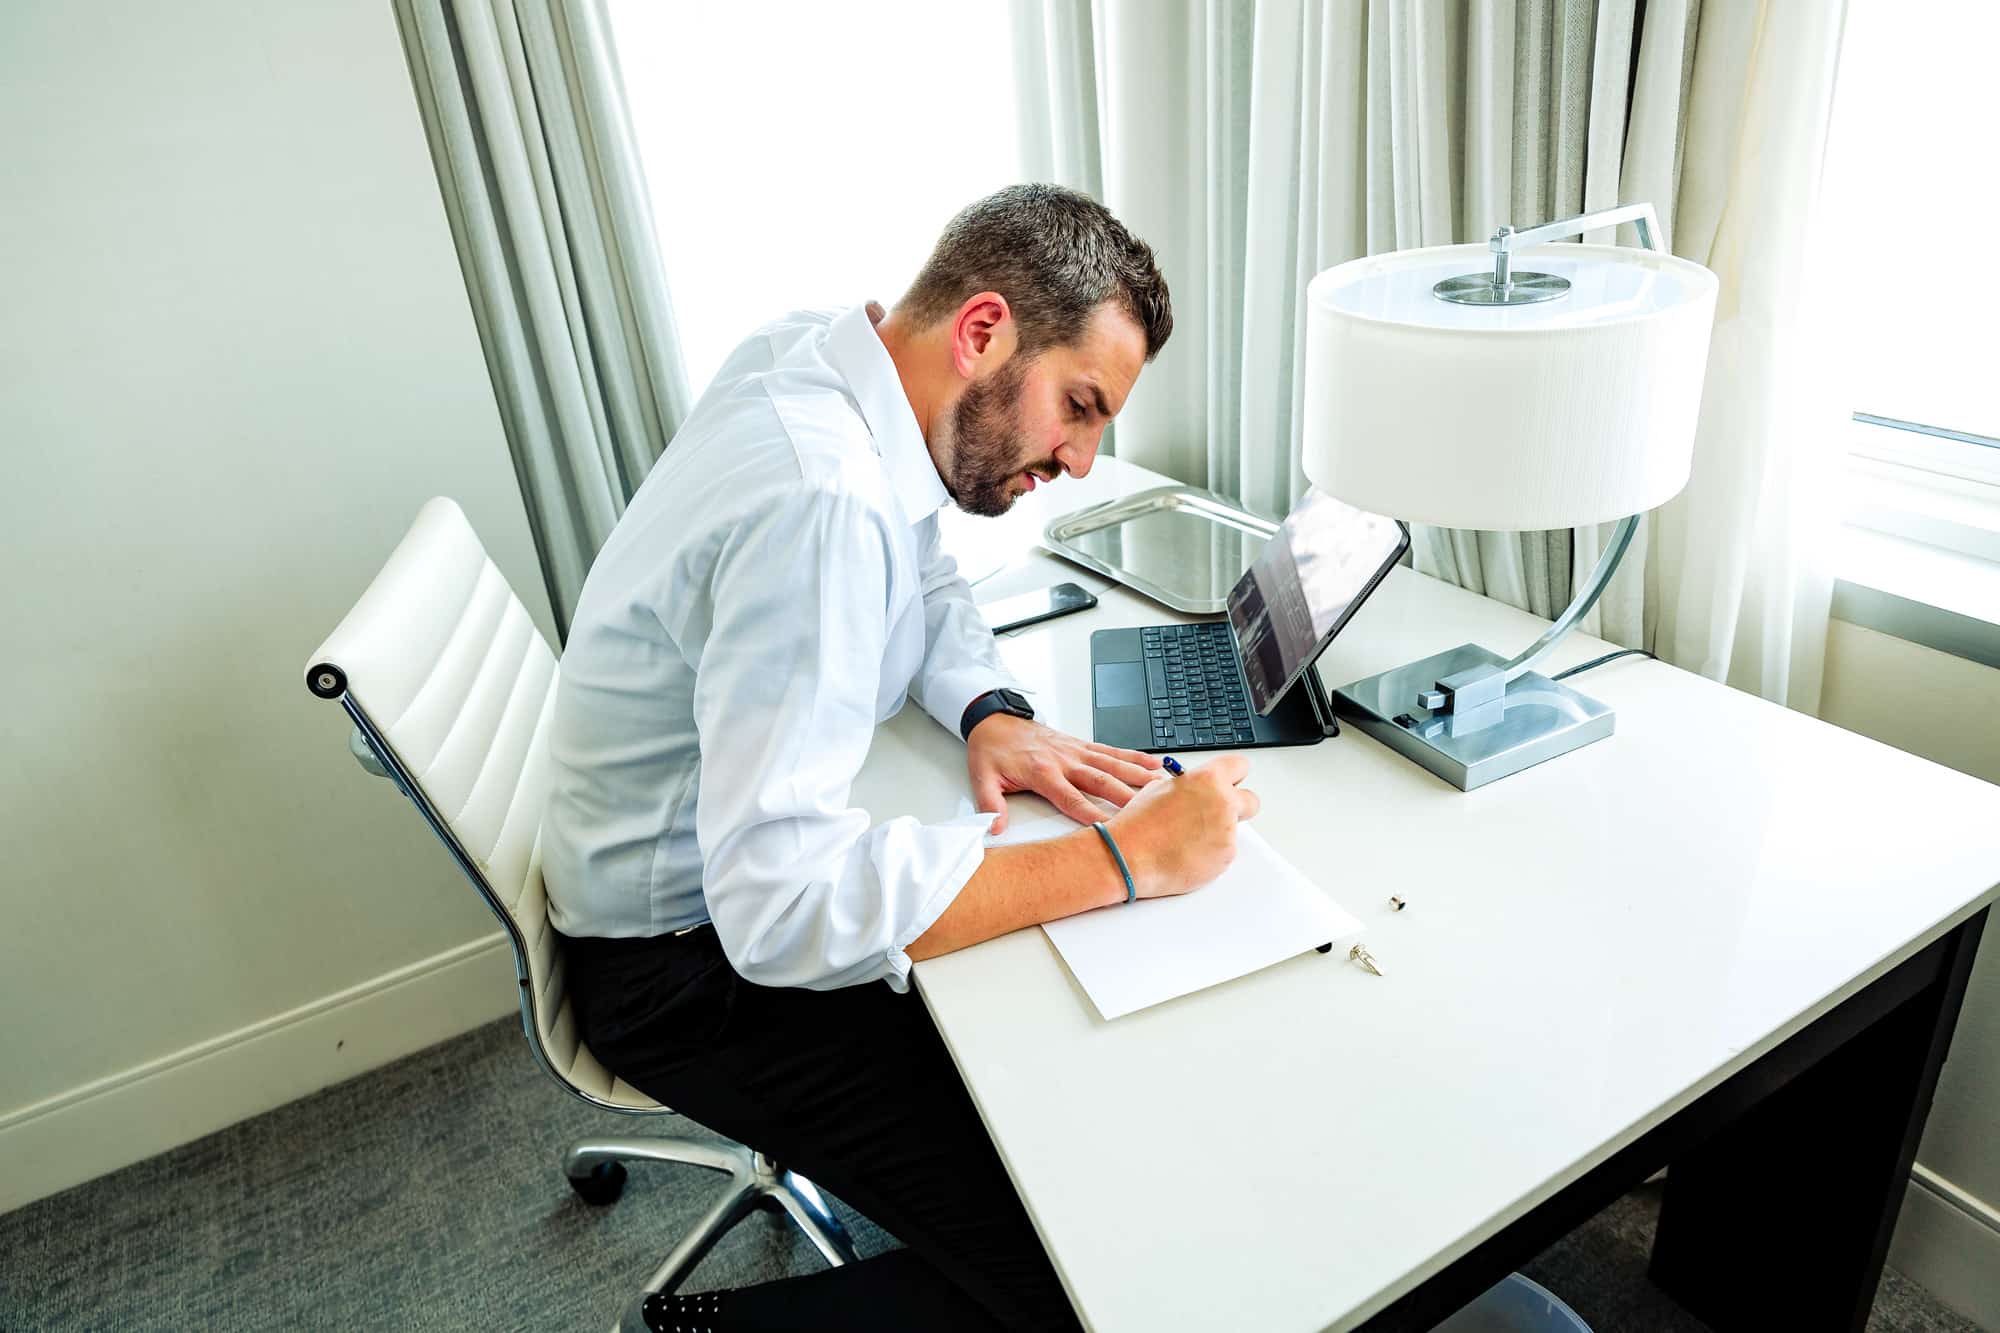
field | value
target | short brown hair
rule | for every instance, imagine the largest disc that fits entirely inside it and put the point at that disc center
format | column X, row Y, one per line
column 1056, row 255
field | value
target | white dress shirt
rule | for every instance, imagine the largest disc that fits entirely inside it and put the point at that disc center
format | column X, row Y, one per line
column 772, row 594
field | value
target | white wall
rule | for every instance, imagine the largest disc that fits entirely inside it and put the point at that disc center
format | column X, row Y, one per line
column 1947, row 709
column 235, row 356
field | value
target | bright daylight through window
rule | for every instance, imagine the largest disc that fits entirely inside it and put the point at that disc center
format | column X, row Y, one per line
column 816, row 171
column 1908, row 199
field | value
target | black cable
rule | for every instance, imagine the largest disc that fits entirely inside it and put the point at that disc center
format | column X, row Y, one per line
column 1600, row 661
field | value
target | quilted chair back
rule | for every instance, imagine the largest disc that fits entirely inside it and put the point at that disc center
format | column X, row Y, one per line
column 451, row 688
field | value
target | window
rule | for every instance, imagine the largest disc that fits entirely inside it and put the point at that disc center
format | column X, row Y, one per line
column 816, row 170
column 1908, row 204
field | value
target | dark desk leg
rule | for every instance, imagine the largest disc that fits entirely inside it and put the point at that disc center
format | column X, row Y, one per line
column 1782, row 1219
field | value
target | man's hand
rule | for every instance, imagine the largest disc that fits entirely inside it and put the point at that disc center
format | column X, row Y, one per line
column 1007, row 753
column 1181, row 834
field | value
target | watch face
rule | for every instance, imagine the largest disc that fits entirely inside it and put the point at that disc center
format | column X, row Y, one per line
column 1014, row 699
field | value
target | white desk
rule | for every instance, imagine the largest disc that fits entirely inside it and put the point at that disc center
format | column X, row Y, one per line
column 1606, row 961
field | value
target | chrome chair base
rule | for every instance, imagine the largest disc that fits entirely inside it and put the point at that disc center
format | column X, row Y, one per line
column 754, row 1180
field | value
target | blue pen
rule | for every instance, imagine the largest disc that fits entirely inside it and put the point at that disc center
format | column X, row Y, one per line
column 1172, row 765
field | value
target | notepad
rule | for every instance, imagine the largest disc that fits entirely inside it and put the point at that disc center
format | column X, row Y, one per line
column 1133, row 955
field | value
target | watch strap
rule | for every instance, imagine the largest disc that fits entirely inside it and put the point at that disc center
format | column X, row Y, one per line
column 986, row 705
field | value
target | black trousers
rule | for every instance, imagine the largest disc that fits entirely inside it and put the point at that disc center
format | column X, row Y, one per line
column 851, row 1088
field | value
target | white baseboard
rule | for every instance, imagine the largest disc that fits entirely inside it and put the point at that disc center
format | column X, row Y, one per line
column 1949, row 1241
column 87, row 1131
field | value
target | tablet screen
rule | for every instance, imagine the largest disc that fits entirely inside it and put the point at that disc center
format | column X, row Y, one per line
column 1305, row 584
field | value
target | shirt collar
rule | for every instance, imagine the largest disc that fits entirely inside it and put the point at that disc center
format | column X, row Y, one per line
column 856, row 353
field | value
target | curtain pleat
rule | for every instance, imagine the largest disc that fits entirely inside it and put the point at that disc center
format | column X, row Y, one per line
column 525, row 113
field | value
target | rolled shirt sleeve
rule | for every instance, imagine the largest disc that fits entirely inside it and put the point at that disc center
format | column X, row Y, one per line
column 961, row 659
column 801, row 890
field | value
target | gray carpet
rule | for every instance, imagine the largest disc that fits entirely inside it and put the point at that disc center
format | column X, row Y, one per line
column 428, row 1195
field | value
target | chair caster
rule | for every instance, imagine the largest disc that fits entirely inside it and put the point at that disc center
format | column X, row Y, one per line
column 603, row 1185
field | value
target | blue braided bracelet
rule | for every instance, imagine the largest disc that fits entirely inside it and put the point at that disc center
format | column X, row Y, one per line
column 1119, row 857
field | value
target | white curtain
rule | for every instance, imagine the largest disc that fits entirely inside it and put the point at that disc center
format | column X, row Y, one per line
column 1257, row 142
column 525, row 111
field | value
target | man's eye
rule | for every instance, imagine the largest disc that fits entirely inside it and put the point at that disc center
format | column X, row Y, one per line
column 1075, row 407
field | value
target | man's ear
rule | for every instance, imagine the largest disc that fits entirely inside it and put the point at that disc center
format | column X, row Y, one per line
column 982, row 336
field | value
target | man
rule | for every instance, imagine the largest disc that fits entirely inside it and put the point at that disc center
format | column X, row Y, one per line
column 738, row 937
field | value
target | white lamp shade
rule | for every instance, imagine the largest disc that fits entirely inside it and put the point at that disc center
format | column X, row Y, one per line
column 1576, row 410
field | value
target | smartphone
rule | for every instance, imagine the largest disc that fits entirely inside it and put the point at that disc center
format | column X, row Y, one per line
column 1031, row 607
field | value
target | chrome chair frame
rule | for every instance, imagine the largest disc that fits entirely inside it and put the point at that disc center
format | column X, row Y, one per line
column 755, row 1180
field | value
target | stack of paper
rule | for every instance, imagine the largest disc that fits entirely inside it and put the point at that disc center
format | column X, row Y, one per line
column 1259, row 912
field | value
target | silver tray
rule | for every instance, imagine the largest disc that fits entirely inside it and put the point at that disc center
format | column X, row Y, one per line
column 1182, row 546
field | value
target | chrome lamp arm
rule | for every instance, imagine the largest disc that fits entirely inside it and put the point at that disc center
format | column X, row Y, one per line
column 1451, row 692
column 1506, row 239
column 1506, row 287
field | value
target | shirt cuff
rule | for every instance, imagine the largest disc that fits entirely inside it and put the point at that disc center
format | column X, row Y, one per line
column 948, row 692
column 972, row 828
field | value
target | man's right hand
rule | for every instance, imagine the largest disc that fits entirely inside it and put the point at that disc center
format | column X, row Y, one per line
column 1176, row 834
column 1179, row 833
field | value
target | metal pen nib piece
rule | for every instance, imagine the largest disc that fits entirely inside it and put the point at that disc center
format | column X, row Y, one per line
column 1363, row 957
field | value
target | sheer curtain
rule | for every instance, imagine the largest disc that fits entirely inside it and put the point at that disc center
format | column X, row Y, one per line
column 1256, row 142
column 524, row 108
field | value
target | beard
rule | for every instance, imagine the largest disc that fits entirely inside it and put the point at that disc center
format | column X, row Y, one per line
column 986, row 451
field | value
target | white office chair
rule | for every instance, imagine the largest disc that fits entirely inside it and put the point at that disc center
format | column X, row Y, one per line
column 451, row 689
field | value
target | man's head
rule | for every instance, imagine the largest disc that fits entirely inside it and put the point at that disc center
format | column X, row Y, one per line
column 1023, row 336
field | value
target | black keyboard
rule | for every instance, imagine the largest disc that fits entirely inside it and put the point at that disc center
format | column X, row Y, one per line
column 1194, row 686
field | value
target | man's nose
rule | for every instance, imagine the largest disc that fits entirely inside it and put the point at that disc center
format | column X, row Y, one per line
column 1076, row 457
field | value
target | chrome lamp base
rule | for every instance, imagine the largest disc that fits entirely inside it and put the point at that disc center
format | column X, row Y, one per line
column 1539, row 719
column 1471, row 716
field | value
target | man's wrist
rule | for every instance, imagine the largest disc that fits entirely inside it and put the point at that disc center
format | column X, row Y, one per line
column 1108, row 882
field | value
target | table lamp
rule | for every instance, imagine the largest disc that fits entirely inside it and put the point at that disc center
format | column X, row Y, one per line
column 1443, row 386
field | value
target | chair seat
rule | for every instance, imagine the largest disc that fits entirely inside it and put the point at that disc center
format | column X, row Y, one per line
column 598, row 1081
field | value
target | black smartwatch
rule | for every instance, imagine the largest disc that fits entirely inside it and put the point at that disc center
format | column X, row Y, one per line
column 989, row 703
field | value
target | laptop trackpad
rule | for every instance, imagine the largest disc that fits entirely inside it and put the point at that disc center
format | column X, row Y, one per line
column 1121, row 685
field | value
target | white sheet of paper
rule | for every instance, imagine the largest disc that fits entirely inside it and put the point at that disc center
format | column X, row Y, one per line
column 1130, row 956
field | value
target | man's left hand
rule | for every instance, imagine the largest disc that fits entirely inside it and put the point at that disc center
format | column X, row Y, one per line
column 1007, row 753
